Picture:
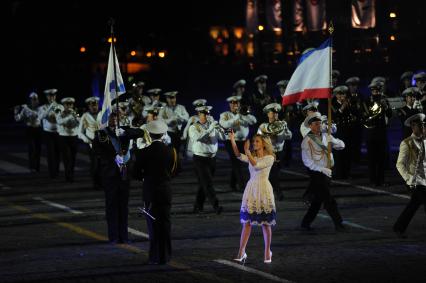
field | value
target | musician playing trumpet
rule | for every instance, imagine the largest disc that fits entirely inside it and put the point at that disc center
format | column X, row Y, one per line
column 86, row 132
column 411, row 166
column 279, row 132
column 205, row 134
column 238, row 120
column 47, row 114
column 68, row 122
column 29, row 115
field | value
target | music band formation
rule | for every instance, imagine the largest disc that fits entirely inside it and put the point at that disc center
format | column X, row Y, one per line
column 146, row 139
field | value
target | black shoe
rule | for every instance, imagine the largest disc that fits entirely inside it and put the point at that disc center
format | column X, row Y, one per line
column 340, row 228
column 400, row 235
column 306, row 228
column 197, row 209
column 218, row 210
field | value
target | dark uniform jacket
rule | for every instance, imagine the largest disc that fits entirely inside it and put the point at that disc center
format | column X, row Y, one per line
column 154, row 165
column 104, row 149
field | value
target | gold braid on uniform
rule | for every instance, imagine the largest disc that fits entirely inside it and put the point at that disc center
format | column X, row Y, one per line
column 316, row 152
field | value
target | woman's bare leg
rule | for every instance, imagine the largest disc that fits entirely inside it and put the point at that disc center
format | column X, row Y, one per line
column 267, row 238
column 245, row 235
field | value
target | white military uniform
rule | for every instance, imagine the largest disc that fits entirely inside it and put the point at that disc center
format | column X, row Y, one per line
column 174, row 117
column 87, row 127
column 239, row 123
column 29, row 116
column 314, row 154
column 47, row 114
column 68, row 123
column 205, row 138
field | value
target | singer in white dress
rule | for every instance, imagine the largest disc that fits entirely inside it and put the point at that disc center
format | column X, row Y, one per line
column 258, row 203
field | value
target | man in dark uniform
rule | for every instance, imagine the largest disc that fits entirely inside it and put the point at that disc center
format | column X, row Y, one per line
column 376, row 112
column 155, row 165
column 344, row 117
column 111, row 146
column 261, row 98
column 355, row 99
column 412, row 106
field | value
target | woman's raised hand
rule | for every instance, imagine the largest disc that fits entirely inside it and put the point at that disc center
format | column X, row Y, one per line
column 247, row 146
column 231, row 135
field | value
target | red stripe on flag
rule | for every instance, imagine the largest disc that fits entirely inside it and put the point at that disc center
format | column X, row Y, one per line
column 306, row 94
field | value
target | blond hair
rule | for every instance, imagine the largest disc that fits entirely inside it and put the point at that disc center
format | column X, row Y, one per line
column 267, row 145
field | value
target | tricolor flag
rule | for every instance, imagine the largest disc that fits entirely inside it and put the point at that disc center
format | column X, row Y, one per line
column 110, row 92
column 311, row 79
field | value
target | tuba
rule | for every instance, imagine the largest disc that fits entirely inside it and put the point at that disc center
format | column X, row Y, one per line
column 373, row 112
column 274, row 128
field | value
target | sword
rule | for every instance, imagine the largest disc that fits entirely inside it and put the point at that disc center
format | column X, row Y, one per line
column 143, row 211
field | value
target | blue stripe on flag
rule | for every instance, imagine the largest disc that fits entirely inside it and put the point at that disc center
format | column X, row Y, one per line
column 324, row 45
column 105, row 116
column 121, row 87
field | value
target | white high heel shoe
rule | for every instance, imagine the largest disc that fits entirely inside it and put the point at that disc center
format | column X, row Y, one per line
column 242, row 259
column 268, row 260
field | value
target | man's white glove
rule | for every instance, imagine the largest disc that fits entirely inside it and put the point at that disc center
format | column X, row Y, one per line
column 120, row 132
column 417, row 105
column 119, row 160
column 326, row 171
column 329, row 139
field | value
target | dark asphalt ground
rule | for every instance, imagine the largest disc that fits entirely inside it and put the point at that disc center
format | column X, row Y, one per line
column 53, row 231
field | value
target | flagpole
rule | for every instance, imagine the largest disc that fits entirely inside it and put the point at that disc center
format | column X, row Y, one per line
column 112, row 22
column 329, row 146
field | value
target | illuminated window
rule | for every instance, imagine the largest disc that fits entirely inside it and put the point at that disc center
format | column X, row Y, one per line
column 82, row 49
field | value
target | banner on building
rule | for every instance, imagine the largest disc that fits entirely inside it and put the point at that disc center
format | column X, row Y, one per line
column 363, row 14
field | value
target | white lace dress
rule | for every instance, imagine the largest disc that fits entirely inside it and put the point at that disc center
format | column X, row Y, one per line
column 258, row 204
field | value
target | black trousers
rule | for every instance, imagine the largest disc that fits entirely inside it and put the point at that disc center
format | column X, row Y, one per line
column 205, row 168
column 356, row 143
column 34, row 147
column 418, row 197
column 116, row 207
column 343, row 158
column 318, row 192
column 274, row 175
column 176, row 142
column 68, row 151
column 376, row 150
column 94, row 168
column 287, row 156
column 236, row 182
column 53, row 152
column 160, row 241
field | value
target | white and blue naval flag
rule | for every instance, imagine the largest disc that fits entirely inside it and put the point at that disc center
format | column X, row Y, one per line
column 110, row 92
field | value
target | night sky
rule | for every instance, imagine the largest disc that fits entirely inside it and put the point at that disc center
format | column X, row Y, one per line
column 46, row 37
